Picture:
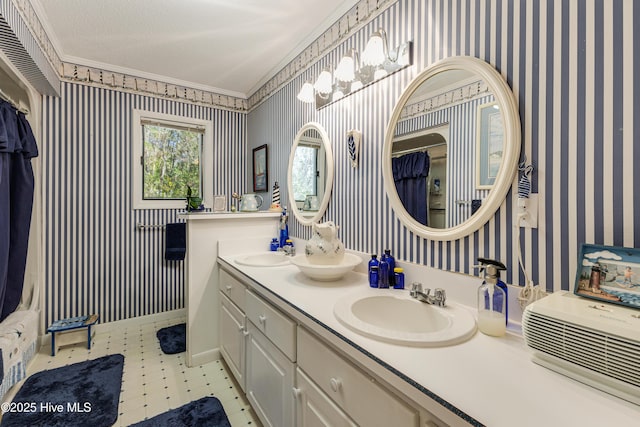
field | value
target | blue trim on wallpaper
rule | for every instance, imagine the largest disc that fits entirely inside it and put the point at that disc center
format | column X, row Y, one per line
column 618, row 124
column 564, row 149
column 548, row 215
column 636, row 128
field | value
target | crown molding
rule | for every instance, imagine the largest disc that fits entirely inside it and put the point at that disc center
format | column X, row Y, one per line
column 103, row 75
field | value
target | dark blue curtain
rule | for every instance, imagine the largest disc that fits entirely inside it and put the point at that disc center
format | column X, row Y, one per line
column 410, row 174
column 17, row 148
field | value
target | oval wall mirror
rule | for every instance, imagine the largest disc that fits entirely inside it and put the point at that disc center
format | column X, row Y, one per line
column 310, row 173
column 451, row 148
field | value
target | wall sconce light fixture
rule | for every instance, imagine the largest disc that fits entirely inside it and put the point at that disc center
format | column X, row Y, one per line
column 324, row 83
column 376, row 62
column 306, row 93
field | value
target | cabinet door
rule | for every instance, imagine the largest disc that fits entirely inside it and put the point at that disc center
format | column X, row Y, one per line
column 314, row 408
column 232, row 338
column 356, row 393
column 269, row 380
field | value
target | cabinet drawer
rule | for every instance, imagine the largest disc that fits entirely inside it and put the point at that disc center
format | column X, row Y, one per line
column 232, row 288
column 274, row 325
column 314, row 408
column 360, row 396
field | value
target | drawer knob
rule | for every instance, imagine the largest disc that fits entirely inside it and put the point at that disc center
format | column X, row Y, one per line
column 228, row 288
column 262, row 318
column 336, row 384
column 297, row 392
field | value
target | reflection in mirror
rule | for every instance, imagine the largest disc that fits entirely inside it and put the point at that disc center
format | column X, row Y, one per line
column 446, row 105
column 310, row 174
column 419, row 163
column 451, row 148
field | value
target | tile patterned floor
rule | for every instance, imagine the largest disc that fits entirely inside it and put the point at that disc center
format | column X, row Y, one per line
column 154, row 382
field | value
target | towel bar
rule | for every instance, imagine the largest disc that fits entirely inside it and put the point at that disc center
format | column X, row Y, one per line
column 142, row 226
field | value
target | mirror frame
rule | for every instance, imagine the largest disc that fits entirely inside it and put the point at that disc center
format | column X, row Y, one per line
column 328, row 185
column 511, row 152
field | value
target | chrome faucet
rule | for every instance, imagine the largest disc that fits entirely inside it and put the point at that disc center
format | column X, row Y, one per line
column 438, row 298
column 288, row 250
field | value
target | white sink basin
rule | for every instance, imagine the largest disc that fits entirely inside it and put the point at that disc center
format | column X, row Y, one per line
column 393, row 316
column 264, row 259
column 326, row 272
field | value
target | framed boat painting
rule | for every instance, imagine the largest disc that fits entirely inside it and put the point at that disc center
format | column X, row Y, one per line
column 260, row 169
column 610, row 274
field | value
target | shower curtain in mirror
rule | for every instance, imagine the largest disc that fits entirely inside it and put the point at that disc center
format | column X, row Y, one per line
column 17, row 148
column 410, row 175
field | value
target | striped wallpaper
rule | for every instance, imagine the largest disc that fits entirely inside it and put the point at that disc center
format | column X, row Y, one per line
column 95, row 258
column 571, row 66
column 21, row 47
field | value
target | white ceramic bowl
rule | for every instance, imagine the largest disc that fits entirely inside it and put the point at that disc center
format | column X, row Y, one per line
column 329, row 272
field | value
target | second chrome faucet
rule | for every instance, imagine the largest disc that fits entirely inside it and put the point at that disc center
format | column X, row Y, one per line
column 438, row 298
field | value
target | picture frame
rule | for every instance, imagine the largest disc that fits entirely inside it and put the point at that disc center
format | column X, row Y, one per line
column 219, row 203
column 609, row 274
column 489, row 144
column 260, row 169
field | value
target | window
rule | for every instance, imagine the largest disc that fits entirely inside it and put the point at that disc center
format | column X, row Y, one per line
column 170, row 153
column 305, row 172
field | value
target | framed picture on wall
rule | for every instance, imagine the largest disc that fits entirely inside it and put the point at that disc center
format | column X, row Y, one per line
column 260, row 169
column 489, row 146
column 610, row 274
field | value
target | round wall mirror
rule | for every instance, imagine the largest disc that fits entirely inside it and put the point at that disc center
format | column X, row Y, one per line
column 310, row 174
column 451, row 149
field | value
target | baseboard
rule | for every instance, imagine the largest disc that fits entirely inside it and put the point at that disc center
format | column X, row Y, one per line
column 203, row 358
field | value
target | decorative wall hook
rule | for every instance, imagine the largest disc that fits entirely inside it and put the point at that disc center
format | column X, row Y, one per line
column 354, row 138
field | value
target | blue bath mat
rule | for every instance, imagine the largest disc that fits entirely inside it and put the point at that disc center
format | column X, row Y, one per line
column 205, row 412
column 173, row 339
column 83, row 394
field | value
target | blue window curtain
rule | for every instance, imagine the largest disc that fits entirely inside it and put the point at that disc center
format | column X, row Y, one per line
column 410, row 175
column 17, row 148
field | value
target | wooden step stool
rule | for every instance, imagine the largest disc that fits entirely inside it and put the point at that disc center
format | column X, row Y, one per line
column 69, row 331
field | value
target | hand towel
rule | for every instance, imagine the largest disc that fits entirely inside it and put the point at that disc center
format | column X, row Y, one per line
column 475, row 205
column 175, row 241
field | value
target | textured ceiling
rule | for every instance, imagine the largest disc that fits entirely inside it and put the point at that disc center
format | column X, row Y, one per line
column 228, row 46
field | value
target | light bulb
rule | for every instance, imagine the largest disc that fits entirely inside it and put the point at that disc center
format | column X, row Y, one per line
column 375, row 53
column 345, row 72
column 306, row 93
column 323, row 84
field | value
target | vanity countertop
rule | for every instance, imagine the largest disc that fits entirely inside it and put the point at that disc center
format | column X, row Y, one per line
column 485, row 380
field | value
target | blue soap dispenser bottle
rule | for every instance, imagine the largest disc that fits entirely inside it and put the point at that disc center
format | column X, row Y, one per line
column 492, row 299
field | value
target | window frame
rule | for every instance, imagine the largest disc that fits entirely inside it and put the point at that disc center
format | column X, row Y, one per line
column 138, row 116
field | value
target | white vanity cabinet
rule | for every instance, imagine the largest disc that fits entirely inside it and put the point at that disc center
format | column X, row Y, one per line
column 270, row 358
column 233, row 325
column 293, row 377
column 365, row 401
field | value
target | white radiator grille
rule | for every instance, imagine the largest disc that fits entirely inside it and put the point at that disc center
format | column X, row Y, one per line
column 609, row 355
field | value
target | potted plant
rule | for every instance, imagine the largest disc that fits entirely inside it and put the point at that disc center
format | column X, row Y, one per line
column 194, row 203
